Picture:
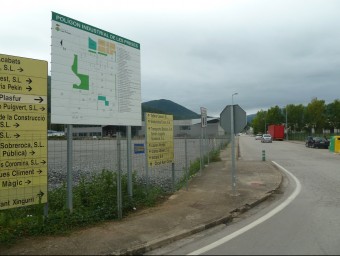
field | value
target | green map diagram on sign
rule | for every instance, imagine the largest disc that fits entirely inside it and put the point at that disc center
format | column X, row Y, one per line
column 97, row 49
column 84, row 79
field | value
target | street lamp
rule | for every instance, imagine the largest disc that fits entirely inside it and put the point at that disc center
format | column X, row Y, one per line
column 233, row 175
column 286, row 123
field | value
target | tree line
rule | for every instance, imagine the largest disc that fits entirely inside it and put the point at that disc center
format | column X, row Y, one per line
column 317, row 116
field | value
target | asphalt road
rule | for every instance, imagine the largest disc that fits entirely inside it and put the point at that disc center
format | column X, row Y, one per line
column 304, row 219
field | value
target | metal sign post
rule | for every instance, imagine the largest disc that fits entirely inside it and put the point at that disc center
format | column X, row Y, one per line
column 203, row 125
column 129, row 161
column 233, row 119
column 69, row 168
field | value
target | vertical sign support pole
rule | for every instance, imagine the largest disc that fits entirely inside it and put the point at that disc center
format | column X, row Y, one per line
column 232, row 150
column 173, row 176
column 207, row 143
column 233, row 171
column 69, row 167
column 186, row 162
column 146, row 153
column 129, row 161
column 119, row 178
column 286, row 123
column 203, row 132
column 201, row 142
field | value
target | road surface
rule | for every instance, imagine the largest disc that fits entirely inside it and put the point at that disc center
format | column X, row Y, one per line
column 304, row 219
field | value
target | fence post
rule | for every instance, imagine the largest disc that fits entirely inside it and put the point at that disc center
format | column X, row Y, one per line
column 173, row 176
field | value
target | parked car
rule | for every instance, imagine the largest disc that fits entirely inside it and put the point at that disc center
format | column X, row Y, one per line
column 266, row 138
column 309, row 141
column 317, row 142
column 258, row 136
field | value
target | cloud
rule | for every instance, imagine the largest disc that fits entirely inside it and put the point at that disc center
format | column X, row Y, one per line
column 198, row 53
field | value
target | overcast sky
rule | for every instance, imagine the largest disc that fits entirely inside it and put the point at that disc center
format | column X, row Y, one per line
column 198, row 53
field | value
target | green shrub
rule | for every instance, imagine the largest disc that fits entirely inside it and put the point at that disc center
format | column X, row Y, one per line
column 94, row 201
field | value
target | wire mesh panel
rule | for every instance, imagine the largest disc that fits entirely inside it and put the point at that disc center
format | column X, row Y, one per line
column 91, row 156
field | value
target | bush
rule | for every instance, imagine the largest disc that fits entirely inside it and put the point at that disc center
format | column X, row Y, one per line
column 94, row 201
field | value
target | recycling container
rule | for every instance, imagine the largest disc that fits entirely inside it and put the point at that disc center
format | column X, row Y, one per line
column 336, row 144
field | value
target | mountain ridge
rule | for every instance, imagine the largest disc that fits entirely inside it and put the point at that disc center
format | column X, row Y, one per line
column 164, row 106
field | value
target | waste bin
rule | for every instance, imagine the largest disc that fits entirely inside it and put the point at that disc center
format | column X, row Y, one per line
column 334, row 145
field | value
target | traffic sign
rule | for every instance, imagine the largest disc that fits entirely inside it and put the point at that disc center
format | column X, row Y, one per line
column 23, row 133
column 240, row 119
column 203, row 117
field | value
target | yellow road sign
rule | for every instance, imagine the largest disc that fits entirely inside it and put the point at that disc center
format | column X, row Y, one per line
column 23, row 131
column 160, row 145
column 22, row 164
column 22, row 196
column 22, row 98
column 22, row 182
column 12, row 173
column 23, row 84
column 20, row 66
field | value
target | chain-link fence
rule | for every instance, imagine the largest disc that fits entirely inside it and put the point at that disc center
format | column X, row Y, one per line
column 90, row 156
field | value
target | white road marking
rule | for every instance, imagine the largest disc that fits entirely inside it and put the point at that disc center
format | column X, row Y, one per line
column 256, row 222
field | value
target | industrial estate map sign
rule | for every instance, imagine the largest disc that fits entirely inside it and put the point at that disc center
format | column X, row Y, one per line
column 160, row 139
column 23, row 131
column 96, row 75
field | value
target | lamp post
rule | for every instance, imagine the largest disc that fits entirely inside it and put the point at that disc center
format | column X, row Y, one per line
column 286, row 123
column 233, row 174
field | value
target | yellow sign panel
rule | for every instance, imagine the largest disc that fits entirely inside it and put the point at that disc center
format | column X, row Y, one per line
column 160, row 139
column 23, row 197
column 36, row 164
column 23, row 84
column 14, row 173
column 33, row 121
column 23, row 131
column 23, row 67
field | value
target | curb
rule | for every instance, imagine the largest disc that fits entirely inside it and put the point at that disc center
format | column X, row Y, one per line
column 157, row 243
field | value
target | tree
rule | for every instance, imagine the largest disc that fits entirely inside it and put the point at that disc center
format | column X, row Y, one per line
column 333, row 115
column 259, row 122
column 315, row 115
column 275, row 116
column 295, row 117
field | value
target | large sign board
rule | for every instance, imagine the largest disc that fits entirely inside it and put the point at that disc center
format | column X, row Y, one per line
column 240, row 119
column 23, row 133
column 96, row 75
column 160, row 139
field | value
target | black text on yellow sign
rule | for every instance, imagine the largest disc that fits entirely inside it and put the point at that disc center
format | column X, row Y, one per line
column 20, row 163
column 160, row 146
column 14, row 173
column 20, row 66
column 22, row 196
column 23, row 84
column 23, row 131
